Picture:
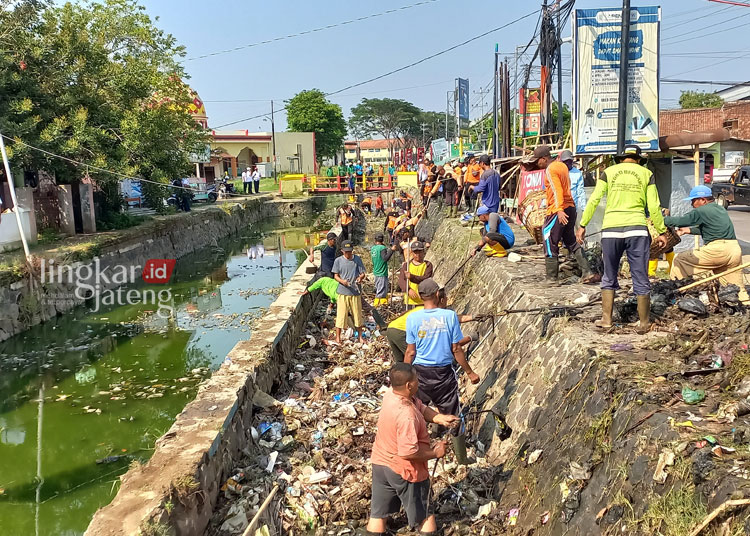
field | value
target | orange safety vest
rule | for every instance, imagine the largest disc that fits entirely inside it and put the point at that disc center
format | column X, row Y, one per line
column 346, row 219
column 393, row 221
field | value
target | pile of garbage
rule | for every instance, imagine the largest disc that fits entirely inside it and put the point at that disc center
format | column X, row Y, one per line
column 313, row 439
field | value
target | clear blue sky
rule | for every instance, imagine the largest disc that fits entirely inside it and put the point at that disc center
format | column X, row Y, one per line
column 332, row 59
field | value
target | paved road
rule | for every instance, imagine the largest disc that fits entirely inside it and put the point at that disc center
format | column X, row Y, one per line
column 740, row 216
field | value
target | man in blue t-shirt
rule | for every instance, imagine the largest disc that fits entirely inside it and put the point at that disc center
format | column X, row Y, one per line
column 489, row 185
column 432, row 343
column 497, row 236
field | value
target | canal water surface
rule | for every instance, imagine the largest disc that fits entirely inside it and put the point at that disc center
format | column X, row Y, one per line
column 84, row 396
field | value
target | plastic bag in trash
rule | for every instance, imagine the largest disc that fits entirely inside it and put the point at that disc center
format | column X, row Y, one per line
column 693, row 396
column 692, row 305
column 729, row 294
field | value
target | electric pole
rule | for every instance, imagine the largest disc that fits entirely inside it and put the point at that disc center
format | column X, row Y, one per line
column 558, row 34
column 273, row 148
column 495, row 140
column 622, row 109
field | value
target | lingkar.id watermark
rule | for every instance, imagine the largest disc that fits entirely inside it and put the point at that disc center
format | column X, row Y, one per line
column 108, row 286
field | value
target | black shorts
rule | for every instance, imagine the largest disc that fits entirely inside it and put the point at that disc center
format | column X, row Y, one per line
column 390, row 491
column 438, row 386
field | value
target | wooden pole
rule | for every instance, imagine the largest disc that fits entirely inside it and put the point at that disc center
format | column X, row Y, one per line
column 724, row 506
column 714, row 277
column 16, row 207
column 697, row 169
column 251, row 527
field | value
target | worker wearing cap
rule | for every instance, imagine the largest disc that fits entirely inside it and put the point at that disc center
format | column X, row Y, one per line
column 720, row 251
column 497, row 236
column 489, row 185
column 560, row 221
column 349, row 271
column 631, row 191
column 380, row 255
column 400, row 454
column 576, row 181
column 471, row 180
column 433, row 337
column 327, row 256
column 416, row 269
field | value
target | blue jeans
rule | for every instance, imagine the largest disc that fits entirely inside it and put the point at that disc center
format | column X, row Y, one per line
column 637, row 249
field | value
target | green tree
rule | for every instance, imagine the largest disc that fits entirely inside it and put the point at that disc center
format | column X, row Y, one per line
column 310, row 111
column 100, row 84
column 394, row 119
column 699, row 99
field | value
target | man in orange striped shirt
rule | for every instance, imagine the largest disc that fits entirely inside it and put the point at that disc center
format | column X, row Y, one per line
column 561, row 216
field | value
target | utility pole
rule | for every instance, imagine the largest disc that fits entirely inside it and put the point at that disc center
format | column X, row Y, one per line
column 558, row 34
column 543, row 80
column 16, row 207
column 273, row 146
column 507, row 143
column 622, row 109
column 495, row 140
column 447, row 111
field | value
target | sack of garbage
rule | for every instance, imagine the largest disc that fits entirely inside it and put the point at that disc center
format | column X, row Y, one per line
column 692, row 305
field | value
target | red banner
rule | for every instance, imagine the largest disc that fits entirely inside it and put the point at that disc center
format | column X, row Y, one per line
column 420, row 154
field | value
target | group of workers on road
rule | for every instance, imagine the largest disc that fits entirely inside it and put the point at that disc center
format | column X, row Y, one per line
column 426, row 342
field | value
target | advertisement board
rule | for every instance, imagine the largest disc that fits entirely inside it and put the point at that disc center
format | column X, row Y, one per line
column 440, row 151
column 463, row 98
column 530, row 108
column 596, row 76
column 530, row 181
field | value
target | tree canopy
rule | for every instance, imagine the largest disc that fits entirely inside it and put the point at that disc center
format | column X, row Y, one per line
column 97, row 83
column 310, row 111
column 699, row 99
column 393, row 119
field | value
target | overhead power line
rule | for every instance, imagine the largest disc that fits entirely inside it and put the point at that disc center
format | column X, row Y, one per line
column 398, row 70
column 313, row 30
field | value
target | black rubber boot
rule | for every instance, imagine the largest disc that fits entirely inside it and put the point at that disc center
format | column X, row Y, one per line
column 552, row 266
column 459, row 449
column 583, row 264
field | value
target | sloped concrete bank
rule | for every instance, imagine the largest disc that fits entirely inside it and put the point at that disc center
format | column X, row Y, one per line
column 600, row 418
column 176, row 491
column 28, row 301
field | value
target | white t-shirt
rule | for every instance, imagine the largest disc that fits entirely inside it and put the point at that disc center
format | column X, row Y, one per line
column 245, row 176
column 256, row 175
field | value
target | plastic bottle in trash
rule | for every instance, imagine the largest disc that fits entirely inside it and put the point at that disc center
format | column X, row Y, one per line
column 716, row 361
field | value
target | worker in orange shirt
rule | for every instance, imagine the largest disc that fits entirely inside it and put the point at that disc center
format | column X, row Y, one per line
column 560, row 221
column 471, row 179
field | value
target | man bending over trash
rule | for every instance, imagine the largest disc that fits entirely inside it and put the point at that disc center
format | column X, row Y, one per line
column 401, row 452
column 433, row 338
column 497, row 236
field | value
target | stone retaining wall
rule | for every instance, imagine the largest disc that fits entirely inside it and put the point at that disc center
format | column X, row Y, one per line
column 25, row 303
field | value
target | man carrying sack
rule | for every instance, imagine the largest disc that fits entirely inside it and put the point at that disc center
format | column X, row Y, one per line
column 631, row 190
column 720, row 251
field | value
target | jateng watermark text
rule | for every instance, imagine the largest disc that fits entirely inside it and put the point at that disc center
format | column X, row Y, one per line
column 108, row 286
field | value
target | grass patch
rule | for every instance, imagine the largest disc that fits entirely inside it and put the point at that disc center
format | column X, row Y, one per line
column 598, row 432
column 675, row 513
column 739, row 368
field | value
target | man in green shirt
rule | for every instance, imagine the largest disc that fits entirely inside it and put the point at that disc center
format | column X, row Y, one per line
column 380, row 257
column 328, row 285
column 720, row 251
column 631, row 190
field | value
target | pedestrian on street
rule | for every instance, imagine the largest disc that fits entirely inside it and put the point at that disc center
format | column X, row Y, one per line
column 400, row 454
column 255, row 176
column 380, row 255
column 416, row 271
column 247, row 183
column 497, row 236
column 489, row 185
column 327, row 256
column 720, row 251
column 349, row 271
column 560, row 220
column 631, row 192
column 433, row 337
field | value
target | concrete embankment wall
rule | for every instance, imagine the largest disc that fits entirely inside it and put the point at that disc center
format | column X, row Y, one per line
column 177, row 489
column 26, row 302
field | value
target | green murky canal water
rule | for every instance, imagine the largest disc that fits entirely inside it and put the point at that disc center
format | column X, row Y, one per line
column 102, row 387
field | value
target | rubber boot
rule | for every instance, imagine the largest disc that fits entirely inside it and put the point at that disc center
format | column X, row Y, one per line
column 644, row 314
column 652, row 265
column 583, row 264
column 670, row 258
column 608, row 303
column 459, row 449
column 552, row 266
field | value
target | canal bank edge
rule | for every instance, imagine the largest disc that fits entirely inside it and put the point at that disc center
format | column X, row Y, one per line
column 27, row 302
